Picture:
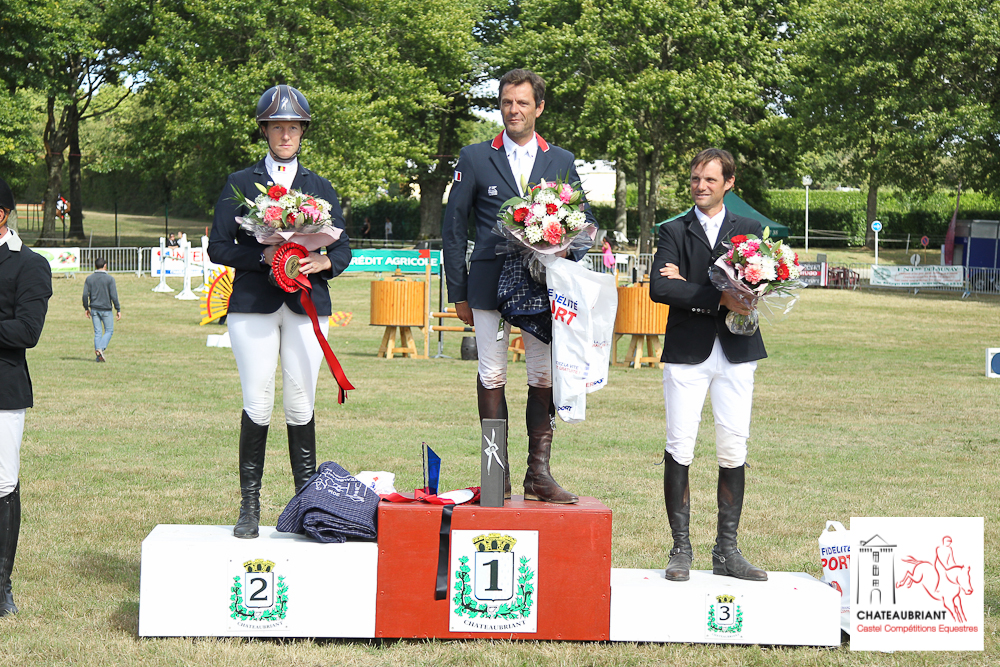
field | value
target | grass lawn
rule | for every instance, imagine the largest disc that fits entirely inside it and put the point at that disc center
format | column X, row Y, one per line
column 870, row 404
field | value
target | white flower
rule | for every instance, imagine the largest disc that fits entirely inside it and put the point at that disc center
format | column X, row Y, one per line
column 576, row 220
column 547, row 197
column 533, row 233
column 538, row 210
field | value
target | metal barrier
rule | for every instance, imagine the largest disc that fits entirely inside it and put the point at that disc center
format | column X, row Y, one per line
column 120, row 260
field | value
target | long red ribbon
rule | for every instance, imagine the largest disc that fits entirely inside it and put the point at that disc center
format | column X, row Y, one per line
column 301, row 284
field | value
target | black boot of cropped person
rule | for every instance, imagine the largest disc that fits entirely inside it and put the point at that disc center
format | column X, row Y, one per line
column 538, row 481
column 10, row 529
column 253, row 442
column 726, row 557
column 302, row 452
column 677, row 496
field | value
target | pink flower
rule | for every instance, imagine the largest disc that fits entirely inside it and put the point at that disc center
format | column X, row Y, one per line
column 566, row 194
column 272, row 213
column 311, row 212
column 552, row 233
column 753, row 274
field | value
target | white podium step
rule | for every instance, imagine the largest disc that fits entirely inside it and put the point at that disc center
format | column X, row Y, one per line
column 790, row 608
column 200, row 581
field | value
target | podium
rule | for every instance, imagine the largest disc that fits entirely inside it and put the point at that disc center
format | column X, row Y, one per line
column 563, row 552
column 790, row 608
column 200, row 581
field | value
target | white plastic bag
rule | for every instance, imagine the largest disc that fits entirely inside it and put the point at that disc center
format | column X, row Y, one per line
column 584, row 304
column 835, row 558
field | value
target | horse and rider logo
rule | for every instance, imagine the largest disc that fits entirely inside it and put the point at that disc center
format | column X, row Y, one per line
column 943, row 579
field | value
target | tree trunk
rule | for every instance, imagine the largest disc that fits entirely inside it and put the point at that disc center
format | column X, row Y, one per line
column 640, row 179
column 621, row 193
column 652, row 195
column 75, row 176
column 55, row 140
column 432, row 187
column 872, row 210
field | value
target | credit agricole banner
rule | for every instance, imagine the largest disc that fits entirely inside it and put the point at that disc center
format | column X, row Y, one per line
column 407, row 261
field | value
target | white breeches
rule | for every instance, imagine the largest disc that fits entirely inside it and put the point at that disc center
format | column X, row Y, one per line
column 258, row 340
column 493, row 352
column 684, row 390
column 11, row 431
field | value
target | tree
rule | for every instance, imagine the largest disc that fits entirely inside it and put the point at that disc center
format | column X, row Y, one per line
column 645, row 81
column 884, row 84
column 67, row 51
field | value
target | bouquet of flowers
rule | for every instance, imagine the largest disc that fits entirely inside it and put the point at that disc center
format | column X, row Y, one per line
column 758, row 272
column 545, row 222
column 279, row 215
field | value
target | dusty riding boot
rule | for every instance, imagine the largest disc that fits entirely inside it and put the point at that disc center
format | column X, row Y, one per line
column 253, row 441
column 10, row 529
column 538, row 482
column 726, row 557
column 677, row 495
column 302, row 452
column 493, row 405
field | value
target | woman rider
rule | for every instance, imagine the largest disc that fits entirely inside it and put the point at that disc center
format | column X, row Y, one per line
column 266, row 322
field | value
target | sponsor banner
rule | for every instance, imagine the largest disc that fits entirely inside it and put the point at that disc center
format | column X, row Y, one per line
column 917, row 276
column 813, row 274
column 173, row 266
column 494, row 581
column 61, row 260
column 407, row 261
column 917, row 584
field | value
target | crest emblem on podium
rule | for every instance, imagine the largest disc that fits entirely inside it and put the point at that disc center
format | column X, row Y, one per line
column 493, row 581
column 725, row 616
column 259, row 595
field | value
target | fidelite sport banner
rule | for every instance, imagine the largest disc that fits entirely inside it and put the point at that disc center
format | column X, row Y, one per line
column 917, row 584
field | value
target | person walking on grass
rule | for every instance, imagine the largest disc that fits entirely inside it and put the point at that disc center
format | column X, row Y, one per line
column 24, row 299
column 99, row 294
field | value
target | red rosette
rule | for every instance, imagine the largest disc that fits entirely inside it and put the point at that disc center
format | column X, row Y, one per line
column 285, row 267
column 287, row 276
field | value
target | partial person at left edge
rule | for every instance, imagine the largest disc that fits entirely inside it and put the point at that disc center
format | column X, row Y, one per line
column 25, row 288
column 266, row 322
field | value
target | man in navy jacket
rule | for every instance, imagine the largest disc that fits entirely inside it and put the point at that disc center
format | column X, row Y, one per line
column 487, row 175
column 700, row 354
column 25, row 288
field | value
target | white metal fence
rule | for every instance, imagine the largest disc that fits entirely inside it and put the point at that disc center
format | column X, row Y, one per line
column 120, row 260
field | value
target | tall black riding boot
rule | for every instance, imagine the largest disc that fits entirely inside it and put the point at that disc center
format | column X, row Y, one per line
column 253, row 442
column 10, row 529
column 726, row 557
column 538, row 482
column 677, row 495
column 493, row 405
column 302, row 452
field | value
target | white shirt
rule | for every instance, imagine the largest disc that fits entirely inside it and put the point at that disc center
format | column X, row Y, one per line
column 11, row 239
column 711, row 225
column 282, row 173
column 521, row 159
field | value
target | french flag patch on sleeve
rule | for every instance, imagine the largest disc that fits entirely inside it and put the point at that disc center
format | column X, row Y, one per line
column 458, row 176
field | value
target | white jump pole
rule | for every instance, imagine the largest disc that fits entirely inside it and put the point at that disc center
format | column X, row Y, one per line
column 163, row 286
column 186, row 294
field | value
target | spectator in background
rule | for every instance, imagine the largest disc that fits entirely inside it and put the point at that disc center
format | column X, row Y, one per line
column 366, row 232
column 172, row 241
column 388, row 230
column 99, row 294
column 24, row 298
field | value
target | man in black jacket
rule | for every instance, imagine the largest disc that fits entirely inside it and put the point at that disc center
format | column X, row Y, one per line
column 487, row 175
column 700, row 354
column 25, row 288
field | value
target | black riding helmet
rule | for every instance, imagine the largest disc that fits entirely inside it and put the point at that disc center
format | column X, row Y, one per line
column 282, row 102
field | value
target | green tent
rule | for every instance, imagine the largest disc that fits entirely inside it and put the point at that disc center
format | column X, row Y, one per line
column 740, row 207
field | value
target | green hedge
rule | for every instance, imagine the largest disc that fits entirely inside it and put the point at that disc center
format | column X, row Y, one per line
column 900, row 213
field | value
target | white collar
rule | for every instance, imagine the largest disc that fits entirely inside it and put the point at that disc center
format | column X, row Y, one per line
column 530, row 148
column 11, row 240
column 281, row 177
column 714, row 221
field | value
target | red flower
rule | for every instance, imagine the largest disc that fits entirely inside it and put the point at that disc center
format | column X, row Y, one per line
column 796, row 259
column 551, row 209
column 277, row 191
column 782, row 271
column 520, row 214
column 291, row 218
column 736, row 240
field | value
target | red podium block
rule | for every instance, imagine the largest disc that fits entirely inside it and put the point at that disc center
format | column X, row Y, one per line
column 573, row 570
